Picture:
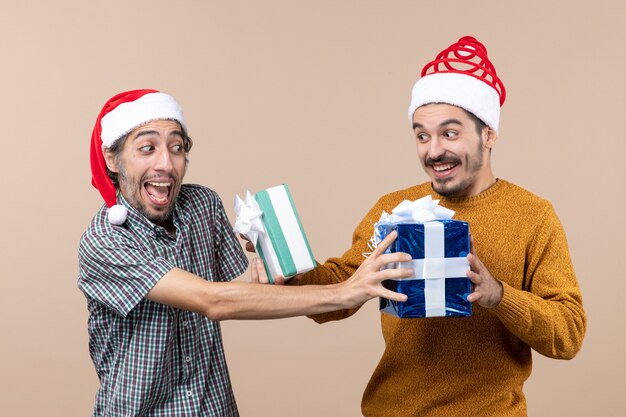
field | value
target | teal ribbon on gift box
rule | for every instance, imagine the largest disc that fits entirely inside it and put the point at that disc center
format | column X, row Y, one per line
column 285, row 232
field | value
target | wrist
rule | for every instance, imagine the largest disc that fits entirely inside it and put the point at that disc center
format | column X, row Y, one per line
column 342, row 296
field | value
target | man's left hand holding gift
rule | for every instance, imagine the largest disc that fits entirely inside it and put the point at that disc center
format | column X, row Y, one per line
column 487, row 291
column 258, row 273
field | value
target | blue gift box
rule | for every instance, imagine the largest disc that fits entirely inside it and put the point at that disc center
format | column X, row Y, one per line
column 440, row 285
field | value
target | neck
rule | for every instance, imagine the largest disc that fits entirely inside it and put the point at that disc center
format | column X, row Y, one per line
column 483, row 185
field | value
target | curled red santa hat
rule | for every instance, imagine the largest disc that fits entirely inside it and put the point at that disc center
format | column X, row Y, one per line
column 120, row 115
column 462, row 75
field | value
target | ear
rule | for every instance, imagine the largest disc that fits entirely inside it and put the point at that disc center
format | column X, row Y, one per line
column 490, row 137
column 109, row 158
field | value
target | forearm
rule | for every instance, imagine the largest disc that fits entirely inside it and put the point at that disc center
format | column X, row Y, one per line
column 554, row 326
column 240, row 300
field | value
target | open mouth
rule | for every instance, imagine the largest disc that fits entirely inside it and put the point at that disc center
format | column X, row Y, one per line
column 442, row 169
column 158, row 192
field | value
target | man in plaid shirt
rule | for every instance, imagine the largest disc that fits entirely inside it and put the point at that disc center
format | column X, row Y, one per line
column 155, row 266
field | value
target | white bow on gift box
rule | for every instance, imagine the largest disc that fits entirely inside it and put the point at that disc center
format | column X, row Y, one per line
column 422, row 210
column 248, row 221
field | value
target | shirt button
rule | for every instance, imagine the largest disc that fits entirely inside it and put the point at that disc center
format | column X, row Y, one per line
column 185, row 323
column 188, row 393
column 188, row 358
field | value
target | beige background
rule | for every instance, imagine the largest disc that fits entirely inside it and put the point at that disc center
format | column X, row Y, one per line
column 313, row 94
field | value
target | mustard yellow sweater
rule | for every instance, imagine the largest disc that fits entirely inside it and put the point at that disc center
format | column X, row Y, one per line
column 475, row 366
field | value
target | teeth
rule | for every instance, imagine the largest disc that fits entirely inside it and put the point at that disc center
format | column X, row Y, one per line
column 160, row 184
column 444, row 167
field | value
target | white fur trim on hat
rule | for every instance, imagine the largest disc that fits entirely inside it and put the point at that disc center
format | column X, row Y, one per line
column 127, row 116
column 460, row 90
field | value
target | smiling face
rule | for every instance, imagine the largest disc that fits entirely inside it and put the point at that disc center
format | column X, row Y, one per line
column 150, row 168
column 454, row 152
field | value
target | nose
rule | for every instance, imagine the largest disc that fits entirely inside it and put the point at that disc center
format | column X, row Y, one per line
column 163, row 160
column 435, row 148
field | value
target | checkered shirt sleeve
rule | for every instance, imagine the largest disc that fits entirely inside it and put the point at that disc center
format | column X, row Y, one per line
column 117, row 272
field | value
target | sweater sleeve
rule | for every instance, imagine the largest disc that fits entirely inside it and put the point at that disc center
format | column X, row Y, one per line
column 548, row 314
column 336, row 270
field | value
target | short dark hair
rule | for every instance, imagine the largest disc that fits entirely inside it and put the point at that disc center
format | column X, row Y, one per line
column 480, row 125
column 118, row 145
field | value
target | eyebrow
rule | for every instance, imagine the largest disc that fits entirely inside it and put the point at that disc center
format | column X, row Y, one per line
column 442, row 124
column 154, row 132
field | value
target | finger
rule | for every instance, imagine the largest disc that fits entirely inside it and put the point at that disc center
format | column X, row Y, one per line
column 473, row 297
column 390, row 258
column 472, row 246
column 263, row 279
column 474, row 277
column 254, row 273
column 393, row 296
column 475, row 264
column 394, row 273
column 382, row 246
column 279, row 280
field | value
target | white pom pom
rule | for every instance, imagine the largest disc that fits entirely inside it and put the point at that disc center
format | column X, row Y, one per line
column 117, row 214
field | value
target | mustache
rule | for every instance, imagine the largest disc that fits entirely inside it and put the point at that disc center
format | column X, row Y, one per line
column 444, row 159
column 171, row 177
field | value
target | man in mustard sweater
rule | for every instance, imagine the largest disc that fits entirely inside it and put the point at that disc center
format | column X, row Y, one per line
column 525, row 292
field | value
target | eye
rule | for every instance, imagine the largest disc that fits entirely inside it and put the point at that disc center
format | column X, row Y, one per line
column 178, row 148
column 421, row 137
column 450, row 134
column 147, row 148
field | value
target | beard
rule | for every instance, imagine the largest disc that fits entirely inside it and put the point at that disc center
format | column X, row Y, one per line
column 131, row 189
column 456, row 187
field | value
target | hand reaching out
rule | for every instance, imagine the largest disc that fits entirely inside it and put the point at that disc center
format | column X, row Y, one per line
column 366, row 281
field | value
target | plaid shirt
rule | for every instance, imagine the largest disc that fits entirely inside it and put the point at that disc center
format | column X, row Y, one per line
column 152, row 359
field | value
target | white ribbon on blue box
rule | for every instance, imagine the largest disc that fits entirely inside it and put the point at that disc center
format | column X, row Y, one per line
column 439, row 247
column 270, row 221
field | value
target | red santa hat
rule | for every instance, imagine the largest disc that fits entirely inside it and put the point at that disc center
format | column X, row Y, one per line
column 463, row 76
column 120, row 115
